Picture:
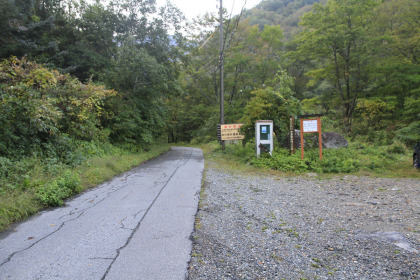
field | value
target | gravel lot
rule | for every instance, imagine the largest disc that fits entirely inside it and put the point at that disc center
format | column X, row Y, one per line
column 269, row 227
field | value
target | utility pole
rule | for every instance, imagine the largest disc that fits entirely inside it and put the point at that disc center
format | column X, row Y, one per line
column 222, row 94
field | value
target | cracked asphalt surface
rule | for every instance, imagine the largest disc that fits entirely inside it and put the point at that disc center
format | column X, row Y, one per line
column 136, row 226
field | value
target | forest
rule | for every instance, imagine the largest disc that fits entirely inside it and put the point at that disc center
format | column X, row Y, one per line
column 80, row 78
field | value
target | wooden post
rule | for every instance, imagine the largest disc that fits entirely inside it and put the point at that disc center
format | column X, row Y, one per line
column 301, row 138
column 292, row 135
column 222, row 90
column 320, row 137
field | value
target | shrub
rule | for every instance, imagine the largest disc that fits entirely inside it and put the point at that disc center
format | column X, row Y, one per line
column 282, row 161
column 5, row 165
column 41, row 110
column 397, row 147
column 342, row 160
column 54, row 193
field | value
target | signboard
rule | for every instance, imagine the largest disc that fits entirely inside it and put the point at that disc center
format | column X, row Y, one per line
column 292, row 135
column 310, row 126
column 231, row 132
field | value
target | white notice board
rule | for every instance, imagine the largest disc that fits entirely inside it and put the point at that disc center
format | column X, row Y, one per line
column 310, row 126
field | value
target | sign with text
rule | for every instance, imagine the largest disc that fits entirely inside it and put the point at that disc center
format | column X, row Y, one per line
column 231, row 132
column 310, row 126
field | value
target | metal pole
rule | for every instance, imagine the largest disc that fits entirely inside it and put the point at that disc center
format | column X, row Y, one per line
column 222, row 94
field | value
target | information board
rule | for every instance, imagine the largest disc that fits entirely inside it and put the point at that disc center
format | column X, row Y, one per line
column 231, row 132
column 310, row 126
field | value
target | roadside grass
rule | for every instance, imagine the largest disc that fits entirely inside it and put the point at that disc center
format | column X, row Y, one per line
column 358, row 159
column 101, row 169
column 36, row 185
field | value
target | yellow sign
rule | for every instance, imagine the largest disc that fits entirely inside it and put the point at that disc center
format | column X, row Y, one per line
column 231, row 131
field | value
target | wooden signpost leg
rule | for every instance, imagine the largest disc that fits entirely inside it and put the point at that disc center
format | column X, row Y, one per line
column 320, row 137
column 292, row 135
column 310, row 126
column 301, row 137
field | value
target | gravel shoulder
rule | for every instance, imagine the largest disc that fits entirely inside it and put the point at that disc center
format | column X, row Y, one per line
column 269, row 227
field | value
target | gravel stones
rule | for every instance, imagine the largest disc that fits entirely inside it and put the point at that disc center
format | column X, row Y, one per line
column 268, row 227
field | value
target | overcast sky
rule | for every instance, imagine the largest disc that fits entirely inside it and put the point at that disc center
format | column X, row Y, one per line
column 193, row 8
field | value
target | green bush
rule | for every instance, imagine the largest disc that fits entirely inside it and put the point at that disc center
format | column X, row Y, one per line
column 338, row 164
column 375, row 163
column 5, row 165
column 240, row 151
column 397, row 147
column 409, row 134
column 343, row 160
column 41, row 111
column 282, row 161
column 54, row 193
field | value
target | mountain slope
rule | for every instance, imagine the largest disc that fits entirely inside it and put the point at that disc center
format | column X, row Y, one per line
column 280, row 12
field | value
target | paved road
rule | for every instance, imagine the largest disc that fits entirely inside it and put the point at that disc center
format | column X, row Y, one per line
column 137, row 226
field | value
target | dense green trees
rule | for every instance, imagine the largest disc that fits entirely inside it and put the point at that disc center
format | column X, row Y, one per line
column 41, row 110
column 285, row 13
column 355, row 60
column 368, row 50
column 124, row 45
column 276, row 102
column 337, row 39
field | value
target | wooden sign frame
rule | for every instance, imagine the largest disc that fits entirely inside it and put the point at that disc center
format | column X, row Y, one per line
column 310, row 126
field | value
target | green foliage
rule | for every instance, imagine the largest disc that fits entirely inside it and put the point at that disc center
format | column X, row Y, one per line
column 124, row 44
column 336, row 37
column 356, row 158
column 411, row 110
column 207, row 131
column 281, row 161
column 43, row 111
column 397, row 147
column 340, row 160
column 375, row 111
column 5, row 165
column 55, row 192
column 275, row 103
column 409, row 134
column 343, row 160
column 279, row 12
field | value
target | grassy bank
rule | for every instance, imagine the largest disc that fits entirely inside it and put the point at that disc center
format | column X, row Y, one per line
column 393, row 161
column 30, row 185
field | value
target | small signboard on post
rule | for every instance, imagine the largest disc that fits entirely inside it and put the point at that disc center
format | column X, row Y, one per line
column 229, row 132
column 310, row 126
column 292, row 135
